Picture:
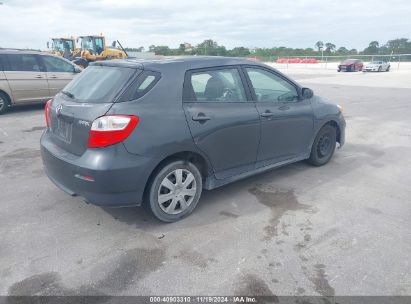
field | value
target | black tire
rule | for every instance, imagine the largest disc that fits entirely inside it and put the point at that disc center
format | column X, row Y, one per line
column 388, row 69
column 180, row 209
column 324, row 146
column 4, row 103
column 379, row 69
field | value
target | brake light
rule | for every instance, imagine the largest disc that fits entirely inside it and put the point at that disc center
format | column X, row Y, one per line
column 46, row 112
column 111, row 129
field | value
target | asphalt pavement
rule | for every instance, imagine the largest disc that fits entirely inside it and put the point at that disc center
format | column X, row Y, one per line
column 340, row 229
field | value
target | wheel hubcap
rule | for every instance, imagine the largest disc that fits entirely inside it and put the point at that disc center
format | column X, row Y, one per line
column 324, row 146
column 177, row 191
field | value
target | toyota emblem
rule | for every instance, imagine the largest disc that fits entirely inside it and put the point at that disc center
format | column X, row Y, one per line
column 58, row 110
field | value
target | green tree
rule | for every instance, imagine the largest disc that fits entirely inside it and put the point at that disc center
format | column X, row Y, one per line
column 210, row 47
column 343, row 51
column 373, row 48
column 398, row 46
column 160, row 50
column 329, row 47
column 239, row 52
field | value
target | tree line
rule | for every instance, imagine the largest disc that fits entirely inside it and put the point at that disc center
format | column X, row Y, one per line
column 210, row 47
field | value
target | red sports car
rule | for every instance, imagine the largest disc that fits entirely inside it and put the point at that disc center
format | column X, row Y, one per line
column 350, row 65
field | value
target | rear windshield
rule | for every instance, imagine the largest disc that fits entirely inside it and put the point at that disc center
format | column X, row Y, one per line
column 99, row 84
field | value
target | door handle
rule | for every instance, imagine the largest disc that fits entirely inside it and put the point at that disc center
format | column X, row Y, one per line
column 201, row 117
column 267, row 114
column 284, row 108
column 53, row 76
column 39, row 76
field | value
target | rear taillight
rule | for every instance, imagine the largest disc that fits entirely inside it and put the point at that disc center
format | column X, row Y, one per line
column 46, row 113
column 110, row 130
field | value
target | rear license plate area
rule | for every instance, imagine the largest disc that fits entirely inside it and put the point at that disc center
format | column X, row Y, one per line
column 63, row 130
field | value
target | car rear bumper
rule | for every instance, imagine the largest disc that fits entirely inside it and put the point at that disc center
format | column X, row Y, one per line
column 344, row 68
column 371, row 70
column 109, row 177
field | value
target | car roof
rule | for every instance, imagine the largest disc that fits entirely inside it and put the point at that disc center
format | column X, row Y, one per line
column 183, row 62
column 19, row 51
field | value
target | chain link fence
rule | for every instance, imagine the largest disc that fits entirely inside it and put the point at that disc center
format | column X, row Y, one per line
column 397, row 61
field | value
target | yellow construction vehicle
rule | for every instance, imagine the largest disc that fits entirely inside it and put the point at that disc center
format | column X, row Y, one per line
column 65, row 47
column 93, row 48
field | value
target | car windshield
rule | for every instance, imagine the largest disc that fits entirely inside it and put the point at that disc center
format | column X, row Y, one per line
column 58, row 45
column 98, row 84
column 87, row 43
column 62, row 45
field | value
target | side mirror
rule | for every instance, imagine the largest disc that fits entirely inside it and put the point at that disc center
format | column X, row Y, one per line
column 307, row 93
column 77, row 69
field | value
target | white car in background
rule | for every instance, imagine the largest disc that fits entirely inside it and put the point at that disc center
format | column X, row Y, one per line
column 377, row 66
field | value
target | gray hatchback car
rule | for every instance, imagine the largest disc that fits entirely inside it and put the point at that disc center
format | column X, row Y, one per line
column 129, row 132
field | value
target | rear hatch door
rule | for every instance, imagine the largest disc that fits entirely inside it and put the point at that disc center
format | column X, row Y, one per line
column 89, row 96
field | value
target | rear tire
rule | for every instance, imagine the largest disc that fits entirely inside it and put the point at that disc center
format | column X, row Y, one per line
column 174, row 191
column 324, row 146
column 4, row 103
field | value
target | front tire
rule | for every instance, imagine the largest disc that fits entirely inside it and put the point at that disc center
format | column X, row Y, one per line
column 174, row 191
column 324, row 146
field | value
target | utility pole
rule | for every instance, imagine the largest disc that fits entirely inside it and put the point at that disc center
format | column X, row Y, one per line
column 322, row 54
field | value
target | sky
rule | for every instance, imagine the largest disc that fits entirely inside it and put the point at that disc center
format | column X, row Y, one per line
column 249, row 23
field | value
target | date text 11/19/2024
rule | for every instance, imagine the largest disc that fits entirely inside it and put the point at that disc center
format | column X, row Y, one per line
column 203, row 299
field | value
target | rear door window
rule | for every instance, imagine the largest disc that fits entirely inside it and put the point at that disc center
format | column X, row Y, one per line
column 24, row 62
column 222, row 85
column 99, row 84
column 3, row 63
column 54, row 64
column 141, row 86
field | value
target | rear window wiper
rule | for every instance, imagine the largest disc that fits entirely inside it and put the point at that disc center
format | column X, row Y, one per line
column 68, row 94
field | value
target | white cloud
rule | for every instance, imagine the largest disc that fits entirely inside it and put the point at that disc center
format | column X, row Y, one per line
column 298, row 23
